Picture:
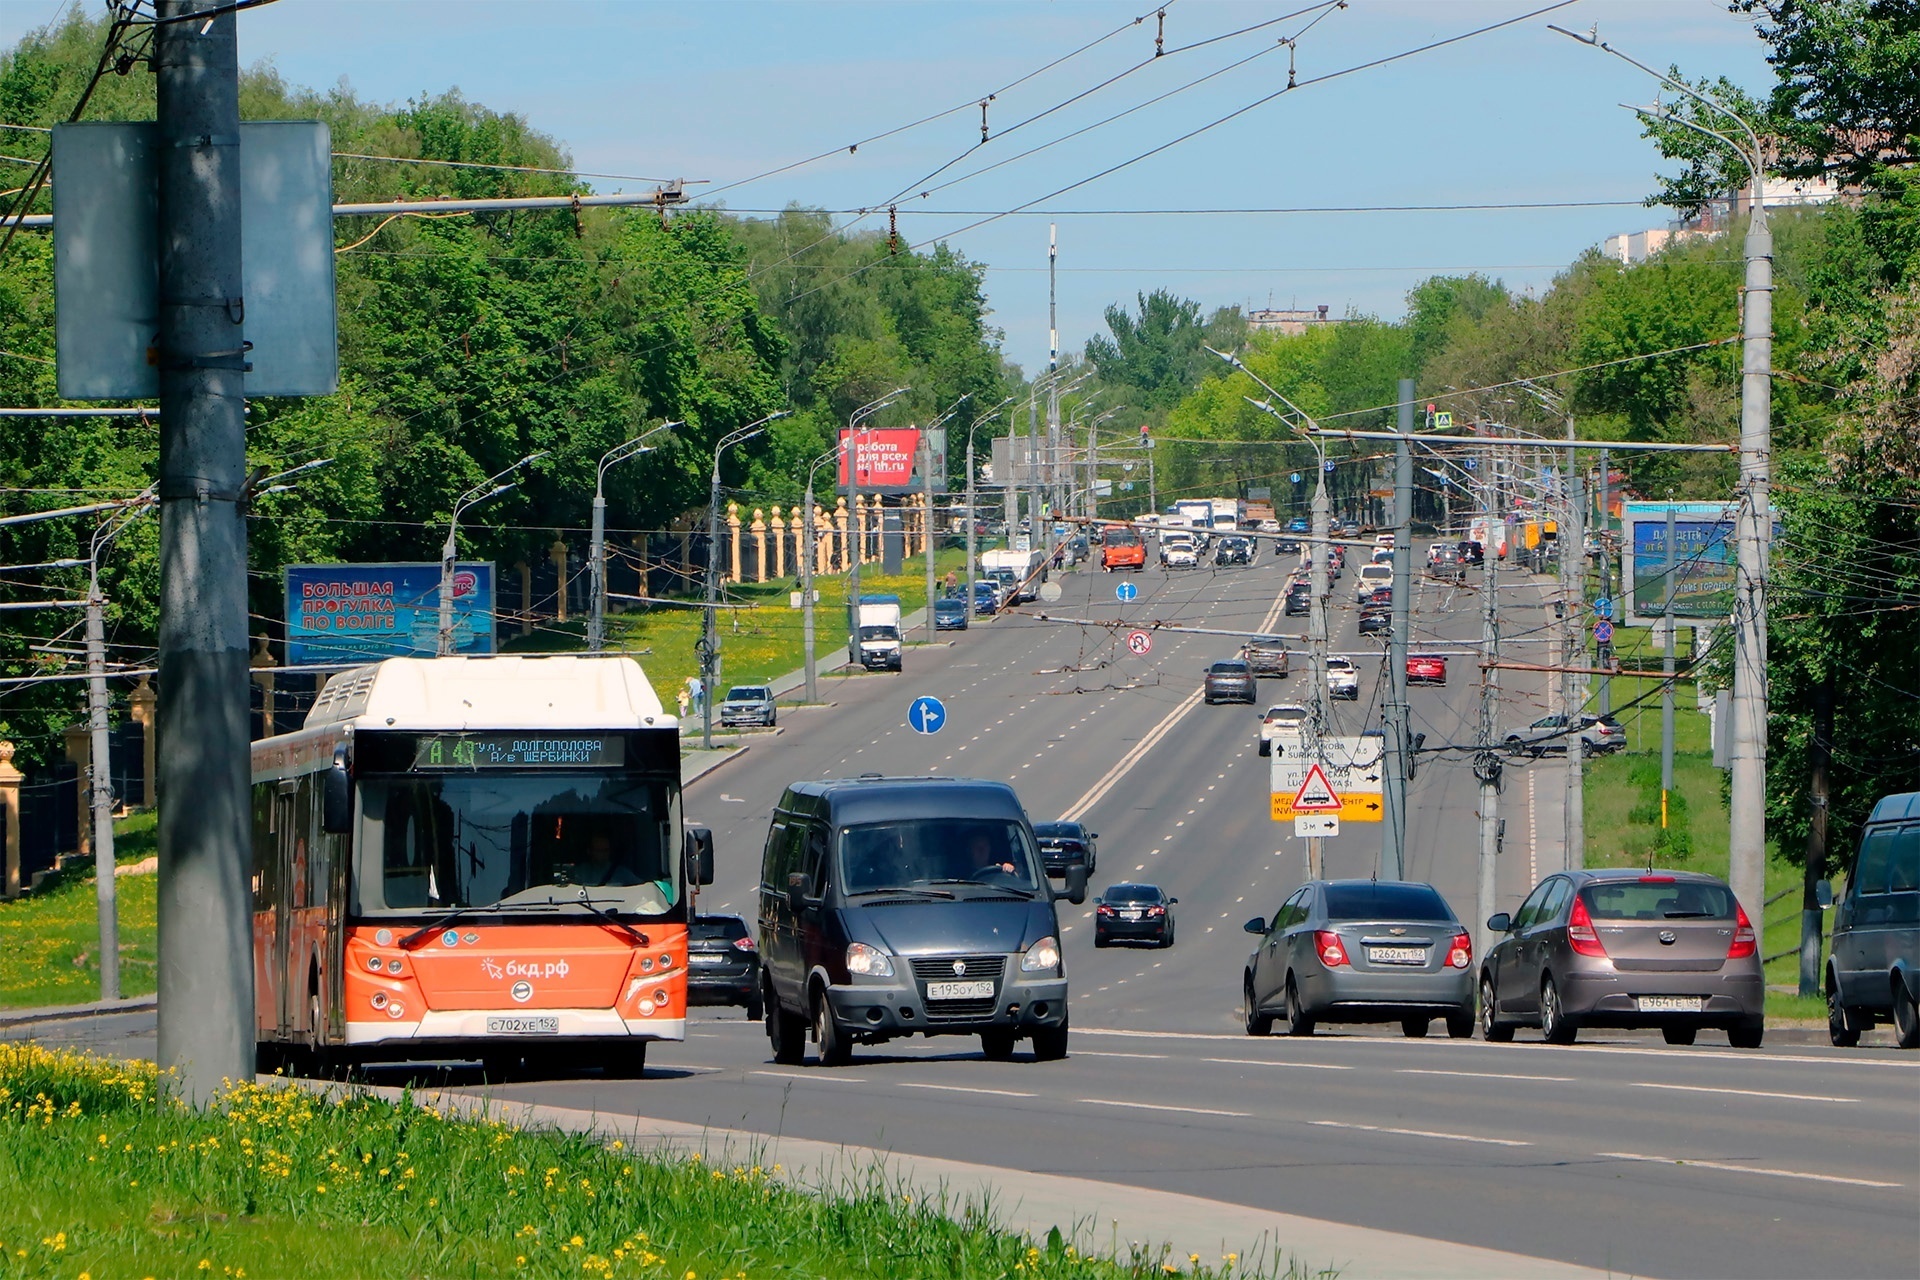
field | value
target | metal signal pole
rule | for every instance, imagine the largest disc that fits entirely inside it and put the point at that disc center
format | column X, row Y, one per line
column 1393, row 842
column 1487, row 763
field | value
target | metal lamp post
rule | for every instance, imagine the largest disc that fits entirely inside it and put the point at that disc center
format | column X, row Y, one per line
column 597, row 551
column 806, row 575
column 491, row 487
column 709, row 633
column 973, row 516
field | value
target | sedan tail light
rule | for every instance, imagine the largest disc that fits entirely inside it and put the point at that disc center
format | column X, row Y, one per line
column 1580, row 934
column 1332, row 953
column 1744, row 943
column 1106, row 911
column 743, row 944
column 1156, row 911
column 1460, row 954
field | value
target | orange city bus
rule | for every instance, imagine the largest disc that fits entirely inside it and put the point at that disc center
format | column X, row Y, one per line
column 474, row 858
column 1122, row 548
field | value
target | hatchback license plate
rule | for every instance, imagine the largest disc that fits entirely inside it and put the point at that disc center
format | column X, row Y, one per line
column 1396, row 955
column 523, row 1026
column 1669, row 1004
column 959, row 990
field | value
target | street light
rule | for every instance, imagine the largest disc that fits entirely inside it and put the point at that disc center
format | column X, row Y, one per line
column 1747, row 757
column 926, row 487
column 811, row 550
column 973, row 516
column 710, row 634
column 1093, row 456
column 597, row 550
column 491, row 487
column 858, row 416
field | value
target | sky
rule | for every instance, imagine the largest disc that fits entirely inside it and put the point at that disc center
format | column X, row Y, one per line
column 722, row 92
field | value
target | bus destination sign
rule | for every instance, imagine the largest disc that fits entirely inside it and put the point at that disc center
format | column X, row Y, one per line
column 519, row 751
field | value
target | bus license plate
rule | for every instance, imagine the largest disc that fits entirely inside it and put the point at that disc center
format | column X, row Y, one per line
column 548, row 1026
column 960, row 990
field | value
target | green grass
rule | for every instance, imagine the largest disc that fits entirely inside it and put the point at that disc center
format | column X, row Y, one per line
column 50, row 940
column 102, row 1175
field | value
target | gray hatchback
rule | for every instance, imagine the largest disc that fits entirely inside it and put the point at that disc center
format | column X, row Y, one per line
column 1625, row 948
column 1229, row 680
column 1360, row 951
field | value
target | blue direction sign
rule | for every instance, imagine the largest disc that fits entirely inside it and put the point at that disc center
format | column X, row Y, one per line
column 1470, row 462
column 1603, row 632
column 1126, row 591
column 926, row 715
column 1604, row 606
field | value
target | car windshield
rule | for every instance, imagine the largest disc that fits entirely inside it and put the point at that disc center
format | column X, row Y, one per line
column 879, row 633
column 1659, row 900
column 747, row 693
column 1339, row 664
column 487, row 840
column 1131, row 893
column 1266, row 642
column 920, row 853
column 1385, row 902
column 1291, row 715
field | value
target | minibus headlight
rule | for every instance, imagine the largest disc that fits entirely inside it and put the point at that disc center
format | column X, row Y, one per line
column 863, row 959
column 1042, row 956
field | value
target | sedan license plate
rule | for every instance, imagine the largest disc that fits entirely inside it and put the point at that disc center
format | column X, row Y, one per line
column 1396, row 955
column 1669, row 1004
column 1129, row 915
column 706, row 957
column 549, row 1026
column 960, row 990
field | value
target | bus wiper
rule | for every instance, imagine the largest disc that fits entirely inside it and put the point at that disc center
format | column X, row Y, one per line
column 639, row 938
column 905, row 891
column 997, row 888
column 427, row 930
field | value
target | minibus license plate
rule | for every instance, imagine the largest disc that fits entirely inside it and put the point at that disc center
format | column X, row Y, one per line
column 960, row 990
column 537, row 1026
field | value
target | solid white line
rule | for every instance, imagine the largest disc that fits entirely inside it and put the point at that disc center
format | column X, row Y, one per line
column 1108, row 1053
column 1422, row 1133
column 1741, row 1168
column 1155, row 1106
column 1098, row 790
column 1479, row 1075
column 807, row 1077
column 1273, row 1062
column 961, row 1088
column 1744, row 1093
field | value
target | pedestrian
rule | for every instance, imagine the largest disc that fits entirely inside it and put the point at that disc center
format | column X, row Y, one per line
column 686, row 701
column 953, row 581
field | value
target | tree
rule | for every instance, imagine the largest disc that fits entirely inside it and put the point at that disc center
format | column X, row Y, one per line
column 1157, row 357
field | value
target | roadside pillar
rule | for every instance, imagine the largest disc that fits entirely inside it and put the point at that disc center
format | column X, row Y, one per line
column 10, row 803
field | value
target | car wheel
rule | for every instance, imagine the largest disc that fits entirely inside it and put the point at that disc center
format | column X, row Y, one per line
column 1050, row 1043
column 1842, row 1030
column 786, row 1032
column 1258, row 1023
column 1555, row 1026
column 1299, row 1023
column 756, row 1006
column 1460, row 1025
column 1680, row 1034
column 1906, row 1016
column 1748, row 1035
column 831, row 1045
column 997, row 1044
column 1100, row 940
column 1166, row 939
column 1415, row 1028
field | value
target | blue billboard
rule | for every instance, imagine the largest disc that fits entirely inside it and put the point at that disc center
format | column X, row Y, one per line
column 353, row 613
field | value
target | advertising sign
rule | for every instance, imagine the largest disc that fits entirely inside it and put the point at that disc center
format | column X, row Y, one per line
column 351, row 613
column 889, row 460
column 1703, row 557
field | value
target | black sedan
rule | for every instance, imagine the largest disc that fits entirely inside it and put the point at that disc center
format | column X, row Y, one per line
column 1231, row 680
column 1133, row 913
column 723, row 966
column 1066, row 844
column 1233, row 550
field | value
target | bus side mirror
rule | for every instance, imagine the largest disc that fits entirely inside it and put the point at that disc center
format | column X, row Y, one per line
column 336, row 807
column 1076, row 886
column 698, row 846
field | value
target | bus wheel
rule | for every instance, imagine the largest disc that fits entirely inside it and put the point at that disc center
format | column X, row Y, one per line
column 623, row 1061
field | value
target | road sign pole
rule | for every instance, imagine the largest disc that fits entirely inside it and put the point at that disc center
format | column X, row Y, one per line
column 1487, row 764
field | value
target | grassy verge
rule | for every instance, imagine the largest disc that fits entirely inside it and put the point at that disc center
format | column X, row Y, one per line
column 102, row 1175
column 50, row 940
column 756, row 643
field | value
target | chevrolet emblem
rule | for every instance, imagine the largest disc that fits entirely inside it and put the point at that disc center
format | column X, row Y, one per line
column 1396, row 931
column 959, row 968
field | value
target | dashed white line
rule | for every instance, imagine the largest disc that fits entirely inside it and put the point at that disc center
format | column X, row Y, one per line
column 1422, row 1133
column 1743, row 1168
column 1478, row 1075
column 809, row 1077
column 1742, row 1093
column 1157, row 1106
column 1274, row 1062
column 961, row 1088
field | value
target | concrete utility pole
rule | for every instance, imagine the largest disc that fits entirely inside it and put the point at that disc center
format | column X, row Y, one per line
column 205, row 977
column 1573, row 564
column 1606, row 583
column 597, row 551
column 973, row 529
column 101, row 779
column 1393, row 834
column 1666, row 669
column 492, row 487
column 926, row 489
column 1487, row 763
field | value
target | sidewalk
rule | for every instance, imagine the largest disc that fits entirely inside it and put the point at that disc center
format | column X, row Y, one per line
column 61, row 1012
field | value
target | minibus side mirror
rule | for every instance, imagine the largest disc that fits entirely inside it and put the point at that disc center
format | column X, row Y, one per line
column 1076, row 888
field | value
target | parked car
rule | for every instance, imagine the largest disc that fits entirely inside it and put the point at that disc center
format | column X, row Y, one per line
column 908, row 906
column 986, row 597
column 1133, row 913
column 748, row 704
column 1426, row 668
column 950, row 613
column 1281, row 728
column 1343, row 679
column 723, row 964
column 1360, row 951
column 1232, row 550
column 1230, row 680
column 1066, row 844
column 1267, row 655
column 1873, row 973
column 1625, row 948
column 1376, row 620
column 1548, row 736
column 1299, row 599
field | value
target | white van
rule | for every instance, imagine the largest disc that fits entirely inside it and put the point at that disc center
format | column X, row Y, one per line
column 1371, row 576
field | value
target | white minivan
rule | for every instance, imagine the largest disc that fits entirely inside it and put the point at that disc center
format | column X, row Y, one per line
column 1371, row 576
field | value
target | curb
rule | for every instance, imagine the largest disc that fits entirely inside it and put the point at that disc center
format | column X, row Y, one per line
column 62, row 1012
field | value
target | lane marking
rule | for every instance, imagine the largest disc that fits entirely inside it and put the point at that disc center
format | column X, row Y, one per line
column 1274, row 1062
column 1744, row 1093
column 961, row 1088
column 809, row 1077
column 1159, row 1106
column 1742, row 1168
column 1098, row 791
column 1422, row 1133
column 1479, row 1075
column 1109, row 1053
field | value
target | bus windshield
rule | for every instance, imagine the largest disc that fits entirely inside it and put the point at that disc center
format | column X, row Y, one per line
column 1121, row 535
column 493, row 840
column 938, row 856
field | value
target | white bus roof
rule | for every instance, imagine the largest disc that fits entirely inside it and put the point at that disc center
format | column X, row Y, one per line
column 509, row 691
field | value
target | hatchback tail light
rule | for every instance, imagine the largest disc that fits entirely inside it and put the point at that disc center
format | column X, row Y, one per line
column 1460, row 954
column 743, row 944
column 1332, row 953
column 1744, row 943
column 1580, row 934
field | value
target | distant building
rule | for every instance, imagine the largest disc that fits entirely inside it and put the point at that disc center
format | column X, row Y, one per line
column 1718, row 216
column 1290, row 322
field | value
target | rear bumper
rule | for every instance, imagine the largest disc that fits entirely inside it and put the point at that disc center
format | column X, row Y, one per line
column 1609, row 999
column 885, row 1011
column 1372, row 996
column 1130, row 930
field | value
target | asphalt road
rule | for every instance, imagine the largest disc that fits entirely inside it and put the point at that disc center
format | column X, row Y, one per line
column 1619, row 1153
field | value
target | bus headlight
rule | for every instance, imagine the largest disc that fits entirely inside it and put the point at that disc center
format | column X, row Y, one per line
column 1042, row 956
column 863, row 959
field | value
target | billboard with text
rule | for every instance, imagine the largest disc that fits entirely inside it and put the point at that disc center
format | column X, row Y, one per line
column 889, row 459
column 352, row 613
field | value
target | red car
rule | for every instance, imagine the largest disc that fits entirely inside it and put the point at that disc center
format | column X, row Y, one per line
column 1426, row 669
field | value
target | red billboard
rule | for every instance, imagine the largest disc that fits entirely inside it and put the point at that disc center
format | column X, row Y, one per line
column 887, row 459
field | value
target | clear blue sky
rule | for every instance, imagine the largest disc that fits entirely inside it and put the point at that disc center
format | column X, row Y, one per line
column 727, row 90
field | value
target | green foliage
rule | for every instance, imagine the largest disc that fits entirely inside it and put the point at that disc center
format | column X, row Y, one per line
column 1435, row 303
column 1156, row 358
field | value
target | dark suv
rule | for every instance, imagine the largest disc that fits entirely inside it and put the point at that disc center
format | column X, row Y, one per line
column 1874, row 972
column 1064, row 845
column 723, row 965
column 1299, row 599
column 909, row 906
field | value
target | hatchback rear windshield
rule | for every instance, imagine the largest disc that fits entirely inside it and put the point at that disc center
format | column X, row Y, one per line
column 710, row 928
column 1385, row 902
column 1659, row 900
column 1131, row 893
column 1229, row 668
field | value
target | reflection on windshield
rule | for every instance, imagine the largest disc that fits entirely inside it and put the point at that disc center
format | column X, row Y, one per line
column 915, row 854
column 481, row 840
